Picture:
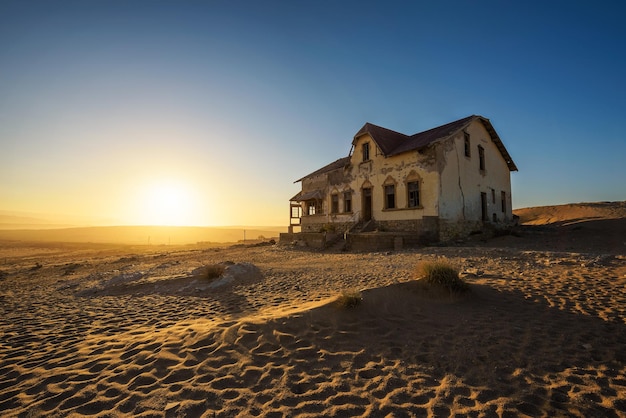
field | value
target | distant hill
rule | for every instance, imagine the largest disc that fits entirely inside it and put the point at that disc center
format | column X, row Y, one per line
column 10, row 221
column 152, row 235
column 571, row 213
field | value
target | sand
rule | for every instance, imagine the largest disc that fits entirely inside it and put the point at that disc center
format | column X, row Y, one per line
column 111, row 331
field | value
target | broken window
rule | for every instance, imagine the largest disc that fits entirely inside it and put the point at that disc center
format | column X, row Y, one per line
column 503, row 201
column 347, row 202
column 390, row 196
column 314, row 207
column 481, row 158
column 334, row 203
column 366, row 151
column 467, row 144
column 413, row 188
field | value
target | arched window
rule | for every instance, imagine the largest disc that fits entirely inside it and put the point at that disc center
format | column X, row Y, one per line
column 334, row 202
column 413, row 189
column 347, row 201
column 389, row 187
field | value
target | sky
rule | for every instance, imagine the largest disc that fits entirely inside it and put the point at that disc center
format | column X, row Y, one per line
column 206, row 112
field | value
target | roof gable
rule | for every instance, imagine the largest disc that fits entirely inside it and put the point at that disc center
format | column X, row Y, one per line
column 386, row 139
column 394, row 143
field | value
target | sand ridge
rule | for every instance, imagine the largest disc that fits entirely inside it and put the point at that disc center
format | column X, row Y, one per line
column 542, row 334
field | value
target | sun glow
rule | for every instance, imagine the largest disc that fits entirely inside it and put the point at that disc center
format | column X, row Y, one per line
column 168, row 203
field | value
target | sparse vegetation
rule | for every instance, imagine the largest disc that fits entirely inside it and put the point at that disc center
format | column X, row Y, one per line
column 443, row 274
column 349, row 299
column 212, row 271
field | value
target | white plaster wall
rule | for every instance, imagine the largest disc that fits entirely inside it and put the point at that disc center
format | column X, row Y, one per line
column 462, row 181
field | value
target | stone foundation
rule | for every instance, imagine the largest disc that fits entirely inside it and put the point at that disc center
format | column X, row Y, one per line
column 390, row 235
column 385, row 241
column 318, row 240
column 425, row 230
column 333, row 227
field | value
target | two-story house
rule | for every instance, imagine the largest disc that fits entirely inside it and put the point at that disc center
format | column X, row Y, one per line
column 436, row 185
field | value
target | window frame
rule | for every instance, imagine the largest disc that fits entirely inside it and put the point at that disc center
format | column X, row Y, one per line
column 408, row 195
column 388, row 195
column 481, row 158
column 334, row 203
column 314, row 206
column 347, row 207
column 365, row 150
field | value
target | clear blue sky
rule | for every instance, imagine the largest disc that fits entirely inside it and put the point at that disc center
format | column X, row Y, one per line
column 234, row 100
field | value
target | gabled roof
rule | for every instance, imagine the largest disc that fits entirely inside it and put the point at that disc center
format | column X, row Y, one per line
column 386, row 139
column 394, row 143
column 340, row 163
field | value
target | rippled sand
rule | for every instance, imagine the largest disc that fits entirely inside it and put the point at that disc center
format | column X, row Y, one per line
column 122, row 331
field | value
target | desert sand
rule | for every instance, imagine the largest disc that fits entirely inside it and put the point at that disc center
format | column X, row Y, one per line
column 111, row 331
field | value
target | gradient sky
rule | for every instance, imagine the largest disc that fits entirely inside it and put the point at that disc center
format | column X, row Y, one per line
column 110, row 110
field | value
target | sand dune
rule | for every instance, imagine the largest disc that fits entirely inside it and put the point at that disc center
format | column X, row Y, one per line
column 570, row 213
column 106, row 331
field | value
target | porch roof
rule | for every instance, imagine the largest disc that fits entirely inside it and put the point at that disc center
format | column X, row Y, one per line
column 304, row 196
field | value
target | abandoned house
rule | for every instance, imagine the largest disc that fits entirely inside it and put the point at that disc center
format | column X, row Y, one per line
column 395, row 189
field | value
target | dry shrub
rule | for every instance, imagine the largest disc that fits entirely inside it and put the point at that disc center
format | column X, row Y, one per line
column 212, row 271
column 442, row 274
column 349, row 299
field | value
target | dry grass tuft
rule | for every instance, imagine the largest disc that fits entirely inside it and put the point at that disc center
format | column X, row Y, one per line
column 211, row 272
column 349, row 299
column 442, row 274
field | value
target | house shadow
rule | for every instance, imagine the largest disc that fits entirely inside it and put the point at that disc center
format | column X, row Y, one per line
column 585, row 235
column 502, row 346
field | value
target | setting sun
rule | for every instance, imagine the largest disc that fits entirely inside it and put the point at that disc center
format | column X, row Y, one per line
column 168, row 203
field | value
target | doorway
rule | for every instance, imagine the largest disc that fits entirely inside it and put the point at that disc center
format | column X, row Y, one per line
column 367, row 203
column 483, row 204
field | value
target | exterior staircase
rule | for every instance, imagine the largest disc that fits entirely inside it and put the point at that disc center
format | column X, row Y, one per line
column 339, row 243
column 362, row 226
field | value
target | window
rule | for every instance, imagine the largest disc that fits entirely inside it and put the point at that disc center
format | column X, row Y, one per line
column 390, row 196
column 493, row 196
column 483, row 206
column 467, row 144
column 503, row 201
column 413, row 188
column 347, row 201
column 481, row 158
column 366, row 151
column 334, row 203
column 314, row 207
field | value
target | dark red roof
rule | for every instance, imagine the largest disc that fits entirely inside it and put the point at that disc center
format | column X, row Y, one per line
column 425, row 138
column 340, row 163
column 386, row 139
column 394, row 143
